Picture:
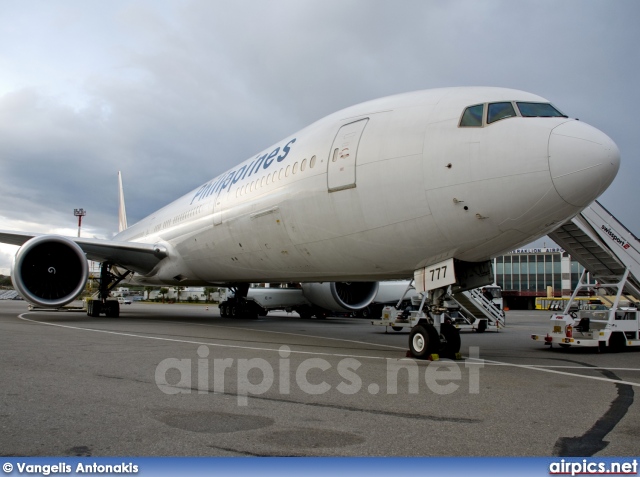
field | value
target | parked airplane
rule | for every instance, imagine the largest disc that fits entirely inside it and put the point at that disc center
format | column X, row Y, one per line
column 293, row 297
column 420, row 184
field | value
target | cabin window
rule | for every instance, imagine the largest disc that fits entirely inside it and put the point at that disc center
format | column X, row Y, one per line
column 498, row 111
column 312, row 162
column 472, row 116
column 295, row 167
column 286, row 174
column 303, row 166
column 539, row 110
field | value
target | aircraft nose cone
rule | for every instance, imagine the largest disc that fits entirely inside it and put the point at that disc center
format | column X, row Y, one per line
column 583, row 162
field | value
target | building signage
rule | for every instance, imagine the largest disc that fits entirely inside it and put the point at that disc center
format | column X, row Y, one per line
column 538, row 250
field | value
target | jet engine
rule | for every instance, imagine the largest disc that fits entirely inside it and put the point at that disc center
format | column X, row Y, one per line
column 49, row 270
column 340, row 296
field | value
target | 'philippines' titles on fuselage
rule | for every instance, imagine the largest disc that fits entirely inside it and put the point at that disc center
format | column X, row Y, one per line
column 226, row 181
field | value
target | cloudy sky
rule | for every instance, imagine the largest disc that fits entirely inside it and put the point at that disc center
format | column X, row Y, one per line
column 173, row 93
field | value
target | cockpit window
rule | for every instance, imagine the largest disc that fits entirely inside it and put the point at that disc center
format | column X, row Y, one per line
column 498, row 111
column 539, row 110
column 472, row 116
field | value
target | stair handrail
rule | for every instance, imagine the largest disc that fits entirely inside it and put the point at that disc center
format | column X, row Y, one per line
column 487, row 306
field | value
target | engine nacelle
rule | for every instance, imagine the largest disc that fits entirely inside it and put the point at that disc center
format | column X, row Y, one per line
column 50, row 270
column 340, row 296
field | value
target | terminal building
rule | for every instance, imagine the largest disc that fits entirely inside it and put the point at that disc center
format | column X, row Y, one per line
column 527, row 274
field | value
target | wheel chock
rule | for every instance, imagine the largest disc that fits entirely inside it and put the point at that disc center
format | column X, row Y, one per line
column 434, row 357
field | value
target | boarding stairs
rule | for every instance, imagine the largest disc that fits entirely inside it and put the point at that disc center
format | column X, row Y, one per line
column 603, row 246
column 8, row 294
column 473, row 303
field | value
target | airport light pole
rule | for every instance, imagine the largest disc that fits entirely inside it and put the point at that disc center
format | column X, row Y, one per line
column 79, row 213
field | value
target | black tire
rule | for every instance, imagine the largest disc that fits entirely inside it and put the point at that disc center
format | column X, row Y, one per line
column 223, row 310
column 112, row 309
column 252, row 311
column 396, row 328
column 451, row 346
column 482, row 326
column 617, row 342
column 94, row 307
column 233, row 311
column 423, row 341
column 305, row 313
column 365, row 312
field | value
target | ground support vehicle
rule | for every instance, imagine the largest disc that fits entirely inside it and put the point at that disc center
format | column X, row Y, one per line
column 613, row 329
column 399, row 319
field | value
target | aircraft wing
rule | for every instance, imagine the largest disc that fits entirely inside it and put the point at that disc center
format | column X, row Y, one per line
column 138, row 257
column 15, row 238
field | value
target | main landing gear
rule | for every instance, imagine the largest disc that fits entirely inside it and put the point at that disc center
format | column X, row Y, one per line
column 109, row 278
column 238, row 306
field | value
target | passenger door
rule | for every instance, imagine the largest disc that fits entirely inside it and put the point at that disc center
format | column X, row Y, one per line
column 341, row 169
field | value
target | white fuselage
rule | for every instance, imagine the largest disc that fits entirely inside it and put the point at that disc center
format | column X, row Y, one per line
column 381, row 189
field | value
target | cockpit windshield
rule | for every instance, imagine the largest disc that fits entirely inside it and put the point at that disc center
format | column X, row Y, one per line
column 498, row 111
column 474, row 116
column 539, row 110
